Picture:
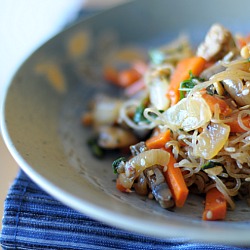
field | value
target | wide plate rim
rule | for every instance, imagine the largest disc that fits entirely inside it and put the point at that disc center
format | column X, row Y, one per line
column 102, row 214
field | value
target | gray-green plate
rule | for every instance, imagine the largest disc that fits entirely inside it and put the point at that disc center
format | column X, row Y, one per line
column 46, row 97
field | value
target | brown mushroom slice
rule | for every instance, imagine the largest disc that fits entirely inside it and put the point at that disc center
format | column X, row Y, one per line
column 239, row 91
column 212, row 70
column 138, row 148
column 115, row 137
column 141, row 186
column 159, row 187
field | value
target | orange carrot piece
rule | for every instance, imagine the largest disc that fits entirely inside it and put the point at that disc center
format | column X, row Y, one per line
column 140, row 66
column 159, row 140
column 135, row 88
column 176, row 182
column 242, row 41
column 87, row 119
column 214, row 100
column 120, row 187
column 128, row 77
column 215, row 205
column 184, row 67
column 111, row 74
column 236, row 128
column 123, row 78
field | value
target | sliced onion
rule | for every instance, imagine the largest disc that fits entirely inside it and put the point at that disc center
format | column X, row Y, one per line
column 149, row 158
column 188, row 114
column 106, row 110
column 125, row 181
column 157, row 94
column 139, row 163
column 211, row 140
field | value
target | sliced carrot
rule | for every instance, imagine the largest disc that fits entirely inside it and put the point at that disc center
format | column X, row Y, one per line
column 215, row 205
column 120, row 187
column 159, row 140
column 214, row 100
column 128, row 77
column 140, row 66
column 87, row 119
column 111, row 74
column 176, row 182
column 182, row 72
column 123, row 78
column 135, row 88
column 242, row 41
column 235, row 126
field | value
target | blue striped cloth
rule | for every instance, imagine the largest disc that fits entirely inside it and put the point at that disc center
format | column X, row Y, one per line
column 34, row 220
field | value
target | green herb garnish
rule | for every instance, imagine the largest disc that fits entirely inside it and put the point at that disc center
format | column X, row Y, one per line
column 96, row 150
column 116, row 164
column 211, row 164
column 139, row 112
column 138, row 116
column 188, row 84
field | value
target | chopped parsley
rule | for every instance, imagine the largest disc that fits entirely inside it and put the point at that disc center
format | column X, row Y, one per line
column 138, row 116
column 116, row 164
column 188, row 84
column 211, row 164
column 96, row 150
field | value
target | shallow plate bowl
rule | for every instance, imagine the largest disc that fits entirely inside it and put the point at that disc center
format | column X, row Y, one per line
column 46, row 97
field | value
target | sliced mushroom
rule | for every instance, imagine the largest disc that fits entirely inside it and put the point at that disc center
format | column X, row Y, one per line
column 218, row 42
column 239, row 91
column 212, row 70
column 115, row 137
column 138, row 148
column 159, row 187
column 141, row 186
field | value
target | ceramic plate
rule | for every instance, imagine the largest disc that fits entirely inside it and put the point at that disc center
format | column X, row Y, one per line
column 44, row 102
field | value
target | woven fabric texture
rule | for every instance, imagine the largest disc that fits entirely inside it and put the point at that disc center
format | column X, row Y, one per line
column 34, row 220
